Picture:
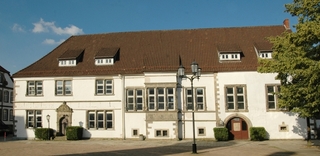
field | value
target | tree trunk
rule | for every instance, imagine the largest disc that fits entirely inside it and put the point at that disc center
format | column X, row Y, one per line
column 308, row 129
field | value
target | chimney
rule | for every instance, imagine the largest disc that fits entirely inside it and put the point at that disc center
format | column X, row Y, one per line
column 286, row 24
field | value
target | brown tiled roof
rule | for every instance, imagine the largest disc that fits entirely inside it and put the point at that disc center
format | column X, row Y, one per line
column 228, row 47
column 71, row 54
column 263, row 46
column 106, row 52
column 156, row 51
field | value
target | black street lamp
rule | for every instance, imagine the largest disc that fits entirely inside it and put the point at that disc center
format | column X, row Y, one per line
column 196, row 73
column 48, row 119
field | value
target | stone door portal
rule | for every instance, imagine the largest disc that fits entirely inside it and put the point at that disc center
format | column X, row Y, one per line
column 64, row 118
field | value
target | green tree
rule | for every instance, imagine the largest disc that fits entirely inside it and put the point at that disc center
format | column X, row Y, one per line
column 296, row 61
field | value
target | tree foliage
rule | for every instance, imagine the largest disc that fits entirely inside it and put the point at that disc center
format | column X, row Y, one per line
column 296, row 55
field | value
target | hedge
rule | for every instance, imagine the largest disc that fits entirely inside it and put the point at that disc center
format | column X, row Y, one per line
column 221, row 133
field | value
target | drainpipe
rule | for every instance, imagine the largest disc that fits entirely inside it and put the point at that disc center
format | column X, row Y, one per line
column 123, row 78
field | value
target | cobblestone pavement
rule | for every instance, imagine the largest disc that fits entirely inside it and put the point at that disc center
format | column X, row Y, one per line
column 99, row 147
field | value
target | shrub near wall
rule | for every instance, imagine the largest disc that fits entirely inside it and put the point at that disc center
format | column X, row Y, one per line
column 221, row 133
column 257, row 133
column 43, row 133
column 74, row 133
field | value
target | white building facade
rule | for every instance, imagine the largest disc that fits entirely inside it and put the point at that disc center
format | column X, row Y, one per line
column 121, row 85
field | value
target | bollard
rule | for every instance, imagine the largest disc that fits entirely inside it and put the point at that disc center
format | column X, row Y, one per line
column 5, row 136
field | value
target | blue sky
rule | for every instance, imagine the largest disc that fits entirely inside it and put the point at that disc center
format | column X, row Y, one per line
column 29, row 29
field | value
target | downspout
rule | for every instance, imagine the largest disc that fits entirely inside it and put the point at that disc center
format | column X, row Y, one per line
column 123, row 78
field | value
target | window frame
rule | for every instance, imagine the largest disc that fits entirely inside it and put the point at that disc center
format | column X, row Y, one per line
column 276, row 89
column 235, row 97
column 96, row 120
column 163, row 133
column 160, row 95
column 199, row 131
column 36, row 89
column 6, row 96
column 35, row 120
column 196, row 97
column 64, row 86
column 5, row 115
column 133, row 98
column 105, row 87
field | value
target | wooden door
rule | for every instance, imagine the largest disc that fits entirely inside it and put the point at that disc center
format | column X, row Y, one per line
column 238, row 129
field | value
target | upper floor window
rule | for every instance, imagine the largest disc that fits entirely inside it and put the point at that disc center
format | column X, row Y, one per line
column 198, row 99
column 266, row 55
column 104, row 61
column 229, row 56
column 6, row 96
column 104, row 87
column 135, row 99
column 236, row 98
column 67, row 62
column 11, row 97
column 34, row 88
column 100, row 119
column 34, row 119
column 161, row 98
column 63, row 87
column 272, row 97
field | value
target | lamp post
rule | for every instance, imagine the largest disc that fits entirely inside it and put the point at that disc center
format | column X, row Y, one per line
column 196, row 73
column 48, row 119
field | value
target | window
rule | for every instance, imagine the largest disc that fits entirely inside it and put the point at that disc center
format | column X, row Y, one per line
column 233, row 56
column 100, row 119
column 6, row 96
column 161, row 133
column 161, row 98
column 34, row 88
column 198, row 97
column 104, row 87
column 63, row 87
column 11, row 115
column 272, row 97
column 104, row 61
column 135, row 132
column 34, row 118
column 5, row 115
column 266, row 55
column 11, row 97
column 201, row 132
column 0, row 94
column 235, row 98
column 67, row 63
column 134, row 99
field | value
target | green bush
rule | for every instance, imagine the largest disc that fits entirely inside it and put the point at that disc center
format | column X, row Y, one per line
column 257, row 133
column 221, row 133
column 43, row 133
column 74, row 133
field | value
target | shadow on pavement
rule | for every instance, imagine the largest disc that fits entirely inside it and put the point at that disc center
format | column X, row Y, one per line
column 178, row 148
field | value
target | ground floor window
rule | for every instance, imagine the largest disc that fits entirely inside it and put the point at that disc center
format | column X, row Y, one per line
column 161, row 133
column 201, row 131
column 5, row 115
column 34, row 118
column 100, row 119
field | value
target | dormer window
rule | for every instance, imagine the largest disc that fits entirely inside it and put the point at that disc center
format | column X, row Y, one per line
column 263, row 50
column 265, row 54
column 106, row 56
column 228, row 56
column 70, row 58
column 104, row 61
column 229, row 52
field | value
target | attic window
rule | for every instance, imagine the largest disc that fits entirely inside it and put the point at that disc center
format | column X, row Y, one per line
column 106, row 56
column 265, row 54
column 263, row 50
column 231, row 52
column 71, row 57
column 229, row 56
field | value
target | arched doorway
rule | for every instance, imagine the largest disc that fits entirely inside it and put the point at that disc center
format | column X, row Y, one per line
column 64, row 118
column 238, row 129
column 63, row 123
